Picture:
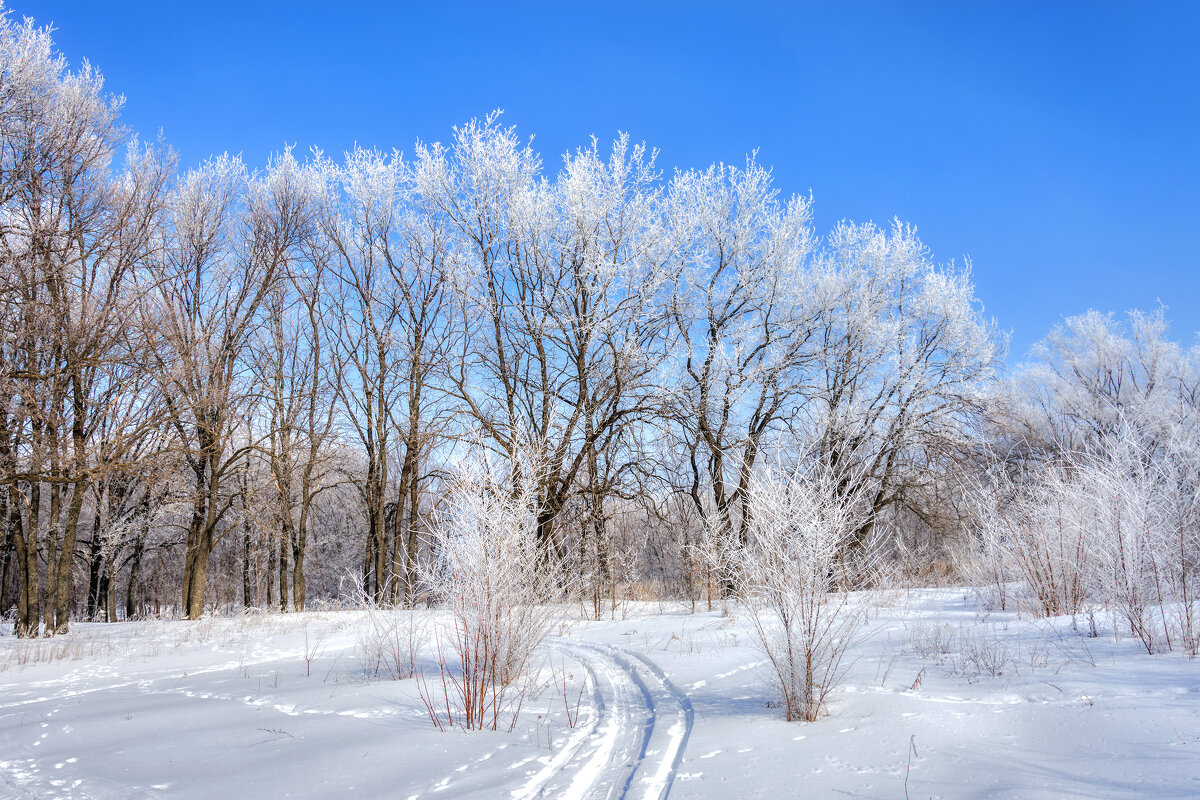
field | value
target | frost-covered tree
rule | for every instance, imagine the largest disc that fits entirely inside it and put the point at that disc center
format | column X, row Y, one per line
column 559, row 344
column 1093, row 497
column 358, row 217
column 742, row 309
column 231, row 236
column 74, row 232
column 291, row 363
column 903, row 366
column 1095, row 374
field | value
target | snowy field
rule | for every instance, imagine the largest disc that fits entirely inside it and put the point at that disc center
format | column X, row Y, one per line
column 941, row 701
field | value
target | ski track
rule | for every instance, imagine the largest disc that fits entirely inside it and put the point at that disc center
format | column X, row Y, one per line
column 632, row 747
column 628, row 746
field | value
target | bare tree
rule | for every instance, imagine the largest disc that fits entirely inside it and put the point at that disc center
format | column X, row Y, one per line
column 231, row 235
column 358, row 223
column 423, row 280
column 904, row 364
column 291, row 361
column 742, row 308
column 559, row 346
column 73, row 236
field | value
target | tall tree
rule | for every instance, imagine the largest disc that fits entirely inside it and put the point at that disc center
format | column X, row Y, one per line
column 742, row 306
column 75, row 233
column 231, row 235
column 358, row 222
column 904, row 370
column 294, row 371
column 557, row 349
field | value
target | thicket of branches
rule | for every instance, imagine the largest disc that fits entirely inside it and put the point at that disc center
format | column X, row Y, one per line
column 228, row 386
column 1092, row 500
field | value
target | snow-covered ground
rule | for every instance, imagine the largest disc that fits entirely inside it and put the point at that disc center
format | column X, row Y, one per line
column 942, row 701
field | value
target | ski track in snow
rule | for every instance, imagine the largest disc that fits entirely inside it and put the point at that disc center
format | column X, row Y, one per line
column 142, row 720
column 632, row 745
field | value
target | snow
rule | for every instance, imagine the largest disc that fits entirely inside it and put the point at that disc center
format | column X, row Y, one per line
column 943, row 700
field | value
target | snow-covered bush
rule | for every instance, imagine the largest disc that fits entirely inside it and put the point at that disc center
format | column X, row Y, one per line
column 1180, row 555
column 1108, row 419
column 1117, row 525
column 387, row 640
column 785, row 573
column 932, row 639
column 1035, row 532
column 494, row 578
column 979, row 561
column 1126, row 538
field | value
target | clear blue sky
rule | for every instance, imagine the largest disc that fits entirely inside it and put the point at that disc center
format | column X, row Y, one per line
column 1055, row 144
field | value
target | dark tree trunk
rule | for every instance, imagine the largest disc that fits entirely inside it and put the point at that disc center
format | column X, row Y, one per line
column 135, row 569
column 95, row 568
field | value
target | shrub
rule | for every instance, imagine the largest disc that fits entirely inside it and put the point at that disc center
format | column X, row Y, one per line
column 495, row 581
column 784, row 574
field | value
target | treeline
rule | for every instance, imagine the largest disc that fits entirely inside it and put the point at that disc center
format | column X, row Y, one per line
column 235, row 386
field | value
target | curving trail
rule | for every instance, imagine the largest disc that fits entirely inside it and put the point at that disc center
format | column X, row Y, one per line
column 633, row 746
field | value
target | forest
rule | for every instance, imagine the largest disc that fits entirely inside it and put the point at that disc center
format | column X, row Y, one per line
column 353, row 379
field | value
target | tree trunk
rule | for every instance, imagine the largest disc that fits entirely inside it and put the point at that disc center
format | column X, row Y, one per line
column 199, row 545
column 135, row 569
column 66, row 553
column 410, row 560
column 549, row 547
column 110, row 587
column 399, row 550
column 25, row 540
column 380, row 565
column 95, row 568
column 285, row 546
column 246, row 597
column 195, row 584
column 271, row 547
column 195, row 562
column 299, row 594
column 6, row 553
column 50, row 585
column 368, row 561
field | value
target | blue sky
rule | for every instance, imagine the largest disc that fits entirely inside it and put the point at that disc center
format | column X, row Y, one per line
column 1055, row 144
